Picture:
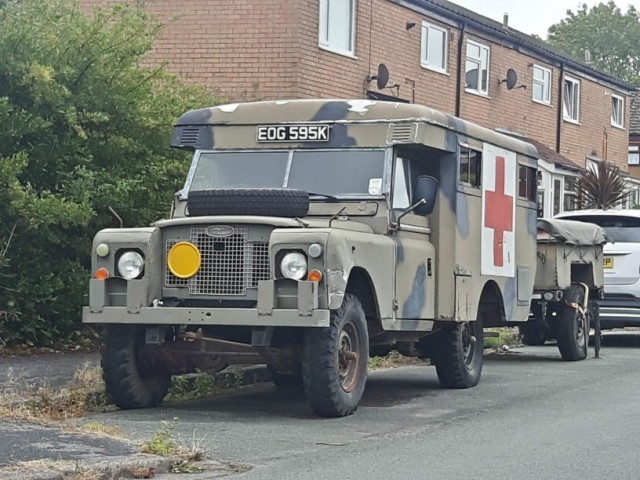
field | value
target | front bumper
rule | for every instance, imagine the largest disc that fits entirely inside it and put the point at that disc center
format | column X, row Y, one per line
column 248, row 317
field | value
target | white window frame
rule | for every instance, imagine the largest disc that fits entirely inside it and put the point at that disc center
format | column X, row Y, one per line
column 634, row 155
column 478, row 61
column 324, row 28
column 546, row 86
column 617, row 122
column 424, row 51
column 569, row 116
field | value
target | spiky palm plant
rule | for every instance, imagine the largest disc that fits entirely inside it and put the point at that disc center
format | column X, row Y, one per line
column 603, row 187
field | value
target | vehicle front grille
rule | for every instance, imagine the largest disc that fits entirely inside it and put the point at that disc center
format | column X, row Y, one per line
column 230, row 264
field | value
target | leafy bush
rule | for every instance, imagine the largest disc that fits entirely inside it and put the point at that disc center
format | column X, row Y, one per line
column 82, row 128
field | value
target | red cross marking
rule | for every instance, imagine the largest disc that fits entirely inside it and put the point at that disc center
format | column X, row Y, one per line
column 498, row 213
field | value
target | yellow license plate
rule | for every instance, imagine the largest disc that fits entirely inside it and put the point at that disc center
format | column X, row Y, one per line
column 608, row 262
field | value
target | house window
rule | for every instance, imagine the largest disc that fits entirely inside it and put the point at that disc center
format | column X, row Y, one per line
column 617, row 111
column 634, row 155
column 477, row 68
column 527, row 183
column 434, row 47
column 570, row 194
column 541, row 85
column 557, row 195
column 337, row 25
column 470, row 167
column 571, row 99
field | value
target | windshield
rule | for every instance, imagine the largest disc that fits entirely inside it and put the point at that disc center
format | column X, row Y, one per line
column 350, row 172
column 619, row 228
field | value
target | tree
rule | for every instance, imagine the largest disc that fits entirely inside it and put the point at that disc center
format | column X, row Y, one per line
column 603, row 187
column 611, row 36
column 82, row 128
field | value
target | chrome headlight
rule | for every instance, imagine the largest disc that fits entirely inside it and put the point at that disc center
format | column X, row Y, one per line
column 294, row 266
column 130, row 265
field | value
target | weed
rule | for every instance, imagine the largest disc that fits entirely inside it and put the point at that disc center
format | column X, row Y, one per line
column 102, row 429
column 505, row 336
column 393, row 359
column 163, row 443
column 82, row 394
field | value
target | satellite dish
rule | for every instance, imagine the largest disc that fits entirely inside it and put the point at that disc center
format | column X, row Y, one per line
column 383, row 76
column 512, row 78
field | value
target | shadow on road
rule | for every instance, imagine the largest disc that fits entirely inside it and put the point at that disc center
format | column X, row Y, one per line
column 384, row 389
column 619, row 340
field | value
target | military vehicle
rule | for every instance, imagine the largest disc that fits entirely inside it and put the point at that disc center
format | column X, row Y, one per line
column 311, row 234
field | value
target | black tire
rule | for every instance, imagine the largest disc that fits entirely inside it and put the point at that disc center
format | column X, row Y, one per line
column 572, row 331
column 335, row 360
column 129, row 382
column 285, row 379
column 272, row 202
column 533, row 333
column 458, row 354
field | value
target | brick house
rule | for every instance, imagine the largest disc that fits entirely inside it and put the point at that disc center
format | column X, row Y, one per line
column 437, row 54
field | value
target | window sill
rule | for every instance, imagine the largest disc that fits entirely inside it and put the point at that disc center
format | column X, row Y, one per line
column 571, row 120
column 477, row 94
column 619, row 127
column 540, row 102
column 342, row 53
column 435, row 70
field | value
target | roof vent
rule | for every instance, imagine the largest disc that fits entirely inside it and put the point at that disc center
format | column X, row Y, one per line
column 401, row 133
column 190, row 136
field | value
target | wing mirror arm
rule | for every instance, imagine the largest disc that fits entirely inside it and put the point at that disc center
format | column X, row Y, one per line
column 396, row 225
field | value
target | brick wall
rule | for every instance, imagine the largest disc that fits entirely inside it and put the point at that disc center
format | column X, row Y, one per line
column 249, row 49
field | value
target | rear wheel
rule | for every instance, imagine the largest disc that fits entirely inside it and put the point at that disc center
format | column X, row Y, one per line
column 131, row 380
column 334, row 361
column 572, row 325
column 458, row 354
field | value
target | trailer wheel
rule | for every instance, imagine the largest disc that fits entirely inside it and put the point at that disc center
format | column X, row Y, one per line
column 458, row 354
column 572, row 328
column 334, row 361
column 130, row 381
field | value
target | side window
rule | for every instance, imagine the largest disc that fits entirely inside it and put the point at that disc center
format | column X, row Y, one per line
column 401, row 188
column 527, row 182
column 470, row 167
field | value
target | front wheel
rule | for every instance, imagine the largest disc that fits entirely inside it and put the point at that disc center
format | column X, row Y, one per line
column 572, row 325
column 334, row 361
column 131, row 380
column 458, row 354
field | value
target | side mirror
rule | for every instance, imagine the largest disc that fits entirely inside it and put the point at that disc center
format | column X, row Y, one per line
column 425, row 192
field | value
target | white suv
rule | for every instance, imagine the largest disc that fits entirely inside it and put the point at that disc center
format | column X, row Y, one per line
column 621, row 304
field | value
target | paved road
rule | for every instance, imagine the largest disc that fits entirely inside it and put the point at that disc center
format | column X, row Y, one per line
column 532, row 416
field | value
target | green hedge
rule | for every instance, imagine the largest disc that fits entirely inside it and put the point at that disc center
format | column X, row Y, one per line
column 82, row 128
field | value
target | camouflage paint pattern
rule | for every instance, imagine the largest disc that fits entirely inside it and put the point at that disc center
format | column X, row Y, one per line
column 428, row 270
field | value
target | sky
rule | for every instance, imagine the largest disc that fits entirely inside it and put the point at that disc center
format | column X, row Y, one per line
column 533, row 16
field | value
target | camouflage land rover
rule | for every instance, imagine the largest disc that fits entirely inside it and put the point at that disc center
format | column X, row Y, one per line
column 310, row 234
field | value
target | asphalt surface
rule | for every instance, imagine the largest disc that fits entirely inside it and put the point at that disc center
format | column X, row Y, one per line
column 532, row 416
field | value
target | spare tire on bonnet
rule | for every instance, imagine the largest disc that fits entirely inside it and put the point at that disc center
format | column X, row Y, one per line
column 271, row 202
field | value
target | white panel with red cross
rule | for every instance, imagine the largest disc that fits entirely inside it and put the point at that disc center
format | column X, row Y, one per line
column 499, row 169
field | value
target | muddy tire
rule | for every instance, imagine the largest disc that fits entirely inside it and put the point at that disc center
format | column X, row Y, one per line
column 335, row 359
column 129, row 382
column 458, row 354
column 270, row 202
column 572, row 326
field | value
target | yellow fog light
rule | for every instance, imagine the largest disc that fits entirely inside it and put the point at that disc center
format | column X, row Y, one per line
column 184, row 260
column 102, row 250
